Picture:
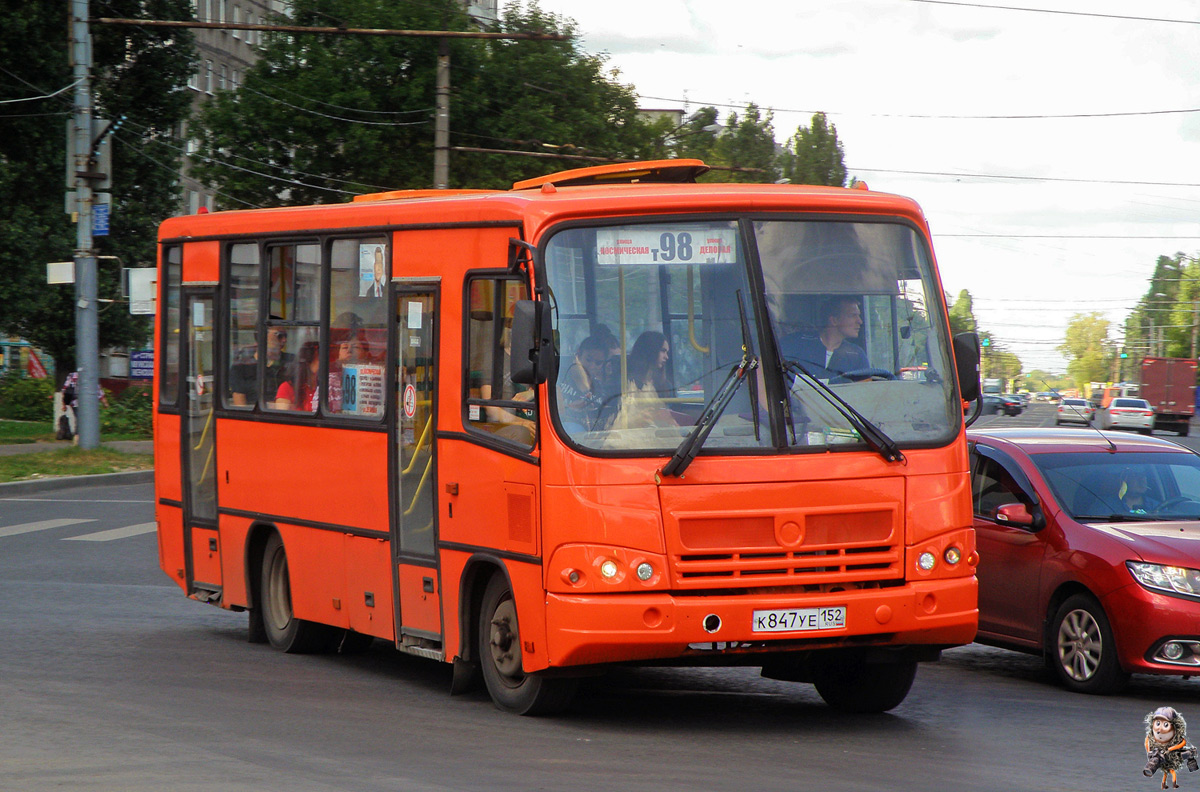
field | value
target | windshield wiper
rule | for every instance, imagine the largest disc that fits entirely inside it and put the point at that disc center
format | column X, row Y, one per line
column 871, row 434
column 692, row 444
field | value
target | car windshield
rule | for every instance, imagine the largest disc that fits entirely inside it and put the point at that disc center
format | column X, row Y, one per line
column 1137, row 403
column 1110, row 487
column 1074, row 403
column 651, row 318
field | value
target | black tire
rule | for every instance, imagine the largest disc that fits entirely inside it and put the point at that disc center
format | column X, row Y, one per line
column 283, row 630
column 848, row 683
column 511, row 689
column 1081, row 650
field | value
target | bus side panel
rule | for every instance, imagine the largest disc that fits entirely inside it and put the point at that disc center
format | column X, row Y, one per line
column 233, row 530
column 451, row 564
column 168, row 485
column 320, row 474
column 368, row 604
column 168, row 476
column 202, row 262
column 317, row 573
column 170, row 543
column 498, row 511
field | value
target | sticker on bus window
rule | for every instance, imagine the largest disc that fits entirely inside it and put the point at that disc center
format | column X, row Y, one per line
column 372, row 279
column 632, row 246
column 362, row 389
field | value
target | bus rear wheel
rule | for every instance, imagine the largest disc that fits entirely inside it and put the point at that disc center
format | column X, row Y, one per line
column 511, row 689
column 283, row 630
column 849, row 683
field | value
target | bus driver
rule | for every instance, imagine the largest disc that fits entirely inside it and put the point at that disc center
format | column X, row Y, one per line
column 830, row 353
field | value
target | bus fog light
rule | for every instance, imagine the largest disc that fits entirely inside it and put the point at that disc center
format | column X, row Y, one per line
column 608, row 569
column 953, row 555
column 644, row 571
column 1173, row 650
column 572, row 576
column 926, row 561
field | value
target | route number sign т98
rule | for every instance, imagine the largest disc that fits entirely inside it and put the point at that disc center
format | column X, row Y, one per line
column 651, row 245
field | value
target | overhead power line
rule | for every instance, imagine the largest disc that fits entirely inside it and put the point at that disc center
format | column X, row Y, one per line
column 1026, row 178
column 1058, row 11
column 935, row 116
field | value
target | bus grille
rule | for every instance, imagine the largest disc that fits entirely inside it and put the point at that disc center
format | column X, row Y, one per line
column 845, row 565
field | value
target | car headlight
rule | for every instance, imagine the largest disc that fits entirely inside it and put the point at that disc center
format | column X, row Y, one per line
column 1169, row 579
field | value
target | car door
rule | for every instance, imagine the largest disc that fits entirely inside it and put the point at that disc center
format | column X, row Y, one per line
column 1011, row 555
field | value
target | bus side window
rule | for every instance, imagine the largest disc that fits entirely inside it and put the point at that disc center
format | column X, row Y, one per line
column 358, row 307
column 241, row 386
column 494, row 403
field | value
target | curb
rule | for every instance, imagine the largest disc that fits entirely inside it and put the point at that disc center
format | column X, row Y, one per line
column 68, row 482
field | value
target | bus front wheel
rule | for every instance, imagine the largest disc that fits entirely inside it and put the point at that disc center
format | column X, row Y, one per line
column 283, row 630
column 851, row 684
column 511, row 689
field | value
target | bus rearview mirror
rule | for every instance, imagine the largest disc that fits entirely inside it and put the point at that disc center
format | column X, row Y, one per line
column 966, row 365
column 532, row 344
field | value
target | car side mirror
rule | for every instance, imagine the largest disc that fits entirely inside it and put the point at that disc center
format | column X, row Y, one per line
column 532, row 343
column 966, row 365
column 1018, row 514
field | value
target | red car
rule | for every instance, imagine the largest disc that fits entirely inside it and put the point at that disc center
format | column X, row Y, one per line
column 1089, row 552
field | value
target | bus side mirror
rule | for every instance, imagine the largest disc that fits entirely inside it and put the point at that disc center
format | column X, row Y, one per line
column 966, row 365
column 532, row 343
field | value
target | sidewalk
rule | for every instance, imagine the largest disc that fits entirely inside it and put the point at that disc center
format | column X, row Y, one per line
column 124, row 446
column 11, row 488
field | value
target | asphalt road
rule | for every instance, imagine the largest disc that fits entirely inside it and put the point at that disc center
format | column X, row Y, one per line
column 110, row 679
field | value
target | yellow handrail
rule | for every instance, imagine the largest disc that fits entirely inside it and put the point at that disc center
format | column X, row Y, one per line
column 420, row 485
column 420, row 445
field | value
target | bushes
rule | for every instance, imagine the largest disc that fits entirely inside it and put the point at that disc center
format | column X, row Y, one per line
column 26, row 399
column 128, row 413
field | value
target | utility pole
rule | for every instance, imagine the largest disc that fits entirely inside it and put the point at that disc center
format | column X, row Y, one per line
column 87, row 352
column 441, row 123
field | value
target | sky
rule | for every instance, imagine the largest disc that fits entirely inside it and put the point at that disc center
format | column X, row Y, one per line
column 1055, row 152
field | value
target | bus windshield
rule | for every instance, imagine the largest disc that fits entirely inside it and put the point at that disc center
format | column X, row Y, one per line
column 652, row 317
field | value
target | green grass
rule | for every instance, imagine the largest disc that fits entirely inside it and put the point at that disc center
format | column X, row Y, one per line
column 70, row 461
column 25, row 431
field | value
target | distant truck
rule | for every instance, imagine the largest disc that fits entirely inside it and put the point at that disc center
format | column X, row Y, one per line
column 992, row 385
column 1169, row 384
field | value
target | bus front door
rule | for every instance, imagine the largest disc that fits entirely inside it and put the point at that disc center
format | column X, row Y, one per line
column 201, row 541
column 414, row 469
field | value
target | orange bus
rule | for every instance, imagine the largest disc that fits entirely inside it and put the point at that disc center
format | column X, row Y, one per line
column 608, row 416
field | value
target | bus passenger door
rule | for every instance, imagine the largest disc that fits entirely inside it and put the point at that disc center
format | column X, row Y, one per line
column 201, row 542
column 414, row 468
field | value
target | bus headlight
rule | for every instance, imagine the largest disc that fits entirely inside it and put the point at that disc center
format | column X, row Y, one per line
column 608, row 569
column 952, row 555
column 644, row 571
column 926, row 561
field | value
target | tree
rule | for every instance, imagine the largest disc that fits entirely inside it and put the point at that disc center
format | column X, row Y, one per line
column 139, row 73
column 1087, row 348
column 962, row 314
column 747, row 141
column 321, row 117
column 814, row 155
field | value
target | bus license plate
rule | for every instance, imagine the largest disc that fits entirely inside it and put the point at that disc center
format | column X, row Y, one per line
column 794, row 619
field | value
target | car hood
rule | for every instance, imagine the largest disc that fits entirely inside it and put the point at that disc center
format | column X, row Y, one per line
column 1174, row 542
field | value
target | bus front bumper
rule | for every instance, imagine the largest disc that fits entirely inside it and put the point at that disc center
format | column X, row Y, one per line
column 613, row 628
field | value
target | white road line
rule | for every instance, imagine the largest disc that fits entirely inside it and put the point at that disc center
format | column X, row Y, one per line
column 41, row 525
column 114, row 533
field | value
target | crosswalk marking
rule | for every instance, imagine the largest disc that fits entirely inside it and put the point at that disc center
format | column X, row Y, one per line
column 41, row 525
column 114, row 533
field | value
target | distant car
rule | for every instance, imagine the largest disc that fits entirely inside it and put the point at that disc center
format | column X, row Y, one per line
column 1087, row 553
column 1024, row 397
column 996, row 404
column 1043, row 396
column 1075, row 411
column 1126, row 413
